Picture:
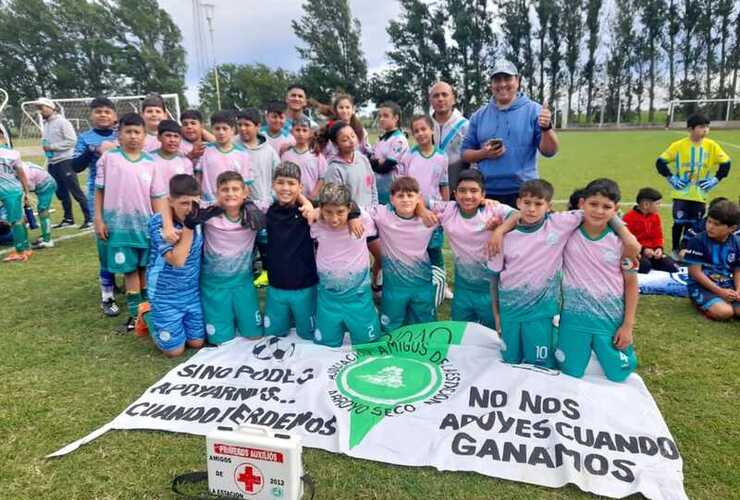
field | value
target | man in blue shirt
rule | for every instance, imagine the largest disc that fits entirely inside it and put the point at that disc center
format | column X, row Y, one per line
column 505, row 135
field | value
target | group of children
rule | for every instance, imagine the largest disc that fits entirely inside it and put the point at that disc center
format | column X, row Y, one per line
column 182, row 212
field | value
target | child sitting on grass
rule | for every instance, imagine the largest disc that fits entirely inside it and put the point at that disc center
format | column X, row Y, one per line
column 600, row 291
column 644, row 222
column 714, row 263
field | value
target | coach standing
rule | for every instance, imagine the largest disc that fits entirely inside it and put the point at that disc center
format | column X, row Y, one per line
column 450, row 127
column 59, row 139
column 505, row 135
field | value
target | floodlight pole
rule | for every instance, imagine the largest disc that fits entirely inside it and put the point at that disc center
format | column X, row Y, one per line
column 208, row 10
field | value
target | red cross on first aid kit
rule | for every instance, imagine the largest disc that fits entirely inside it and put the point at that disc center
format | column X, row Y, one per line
column 253, row 462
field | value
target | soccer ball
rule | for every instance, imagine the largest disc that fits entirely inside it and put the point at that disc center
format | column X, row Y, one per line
column 276, row 348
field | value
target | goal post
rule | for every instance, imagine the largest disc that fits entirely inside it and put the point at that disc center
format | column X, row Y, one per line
column 722, row 113
column 77, row 111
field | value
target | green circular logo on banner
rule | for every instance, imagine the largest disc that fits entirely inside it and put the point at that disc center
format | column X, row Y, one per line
column 390, row 380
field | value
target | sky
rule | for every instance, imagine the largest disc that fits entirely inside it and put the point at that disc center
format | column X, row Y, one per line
column 245, row 32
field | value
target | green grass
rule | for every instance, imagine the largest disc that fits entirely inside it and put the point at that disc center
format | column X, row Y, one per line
column 66, row 374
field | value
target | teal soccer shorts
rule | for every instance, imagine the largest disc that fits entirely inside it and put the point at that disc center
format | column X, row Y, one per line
column 124, row 260
column 337, row 313
column 406, row 306
column 574, row 351
column 529, row 341
column 282, row 305
column 473, row 305
column 229, row 312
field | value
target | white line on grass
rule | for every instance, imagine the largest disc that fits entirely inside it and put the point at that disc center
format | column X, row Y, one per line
column 63, row 238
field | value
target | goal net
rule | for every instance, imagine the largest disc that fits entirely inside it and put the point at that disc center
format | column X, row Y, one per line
column 722, row 113
column 77, row 111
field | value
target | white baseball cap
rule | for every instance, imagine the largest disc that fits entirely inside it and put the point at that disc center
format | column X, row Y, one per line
column 45, row 101
column 504, row 66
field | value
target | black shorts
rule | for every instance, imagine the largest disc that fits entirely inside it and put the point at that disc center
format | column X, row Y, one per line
column 688, row 211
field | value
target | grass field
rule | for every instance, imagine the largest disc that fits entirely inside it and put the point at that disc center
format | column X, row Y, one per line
column 66, row 374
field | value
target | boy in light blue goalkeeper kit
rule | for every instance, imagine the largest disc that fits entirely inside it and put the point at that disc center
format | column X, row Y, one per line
column 600, row 291
column 345, row 299
column 176, row 317
column 408, row 291
column 228, row 295
column 290, row 258
column 90, row 146
column 530, row 269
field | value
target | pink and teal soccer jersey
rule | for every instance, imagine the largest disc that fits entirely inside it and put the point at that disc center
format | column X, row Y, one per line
column 263, row 160
column 227, row 253
column 151, row 143
column 10, row 161
column 593, row 283
column 185, row 146
column 215, row 161
column 430, row 172
column 330, row 150
column 403, row 245
column 531, row 267
column 38, row 178
column 128, row 188
column 313, row 167
column 467, row 236
column 342, row 260
column 391, row 146
column 279, row 141
column 167, row 168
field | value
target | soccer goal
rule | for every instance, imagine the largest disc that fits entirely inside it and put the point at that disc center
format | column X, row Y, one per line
column 77, row 111
column 723, row 113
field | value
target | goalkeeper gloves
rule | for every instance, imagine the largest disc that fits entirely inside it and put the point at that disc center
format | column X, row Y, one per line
column 677, row 183
column 199, row 215
column 708, row 184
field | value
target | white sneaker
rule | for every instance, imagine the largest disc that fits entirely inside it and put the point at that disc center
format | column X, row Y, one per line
column 43, row 244
column 448, row 293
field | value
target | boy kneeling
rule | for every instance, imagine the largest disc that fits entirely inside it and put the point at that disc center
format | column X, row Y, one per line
column 173, row 274
column 714, row 263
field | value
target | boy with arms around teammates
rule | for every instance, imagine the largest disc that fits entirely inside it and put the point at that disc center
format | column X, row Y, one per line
column 222, row 156
column 466, row 221
column 290, row 258
column 345, row 299
column 692, row 166
column 125, row 200
column 227, row 293
column 529, row 302
column 194, row 136
column 714, row 263
column 90, row 146
column 175, row 319
column 408, row 291
column 313, row 164
column 600, row 291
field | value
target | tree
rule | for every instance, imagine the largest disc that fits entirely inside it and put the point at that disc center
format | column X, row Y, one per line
column 517, row 30
column 334, row 58
column 418, row 56
column 724, row 14
column 554, row 53
column 689, row 62
column 470, row 26
column 670, row 44
column 573, row 34
column 544, row 9
column 653, row 18
column 618, row 73
column 593, row 13
column 243, row 86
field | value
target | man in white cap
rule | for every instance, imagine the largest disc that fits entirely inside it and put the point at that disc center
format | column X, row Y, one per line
column 59, row 139
column 505, row 135
column 450, row 127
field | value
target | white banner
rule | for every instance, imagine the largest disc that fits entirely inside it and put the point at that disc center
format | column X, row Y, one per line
column 437, row 395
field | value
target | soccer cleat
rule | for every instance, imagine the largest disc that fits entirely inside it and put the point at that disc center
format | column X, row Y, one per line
column 110, row 308
column 85, row 225
column 262, row 280
column 16, row 257
column 39, row 244
column 140, row 327
column 127, row 327
column 66, row 223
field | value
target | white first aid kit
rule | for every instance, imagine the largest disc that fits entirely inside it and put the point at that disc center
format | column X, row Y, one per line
column 253, row 462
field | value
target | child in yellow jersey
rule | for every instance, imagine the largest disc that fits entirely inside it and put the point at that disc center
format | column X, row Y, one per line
column 693, row 166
